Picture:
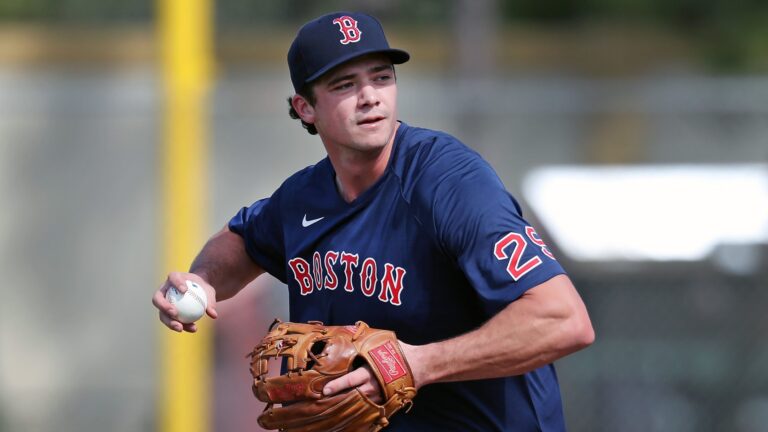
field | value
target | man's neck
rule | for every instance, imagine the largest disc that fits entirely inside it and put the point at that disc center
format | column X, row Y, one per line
column 355, row 175
column 356, row 172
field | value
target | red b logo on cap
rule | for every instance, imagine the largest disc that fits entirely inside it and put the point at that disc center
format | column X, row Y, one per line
column 348, row 27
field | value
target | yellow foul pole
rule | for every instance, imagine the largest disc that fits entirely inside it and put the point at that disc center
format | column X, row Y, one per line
column 185, row 30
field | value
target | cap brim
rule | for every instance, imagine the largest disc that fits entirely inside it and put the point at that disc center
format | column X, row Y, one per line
column 397, row 56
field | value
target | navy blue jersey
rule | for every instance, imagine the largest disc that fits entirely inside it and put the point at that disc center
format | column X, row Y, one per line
column 432, row 250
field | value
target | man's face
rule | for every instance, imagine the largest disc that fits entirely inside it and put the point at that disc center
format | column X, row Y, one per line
column 355, row 105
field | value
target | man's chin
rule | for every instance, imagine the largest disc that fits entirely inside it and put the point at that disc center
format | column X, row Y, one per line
column 372, row 140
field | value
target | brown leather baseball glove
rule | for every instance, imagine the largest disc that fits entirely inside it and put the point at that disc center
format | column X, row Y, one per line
column 316, row 354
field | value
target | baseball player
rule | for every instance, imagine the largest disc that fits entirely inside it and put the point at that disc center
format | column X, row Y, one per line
column 409, row 230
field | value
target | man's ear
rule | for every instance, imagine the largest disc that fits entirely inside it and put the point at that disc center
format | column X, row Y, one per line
column 303, row 108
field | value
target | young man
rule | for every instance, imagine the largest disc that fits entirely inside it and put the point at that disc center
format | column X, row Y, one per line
column 408, row 230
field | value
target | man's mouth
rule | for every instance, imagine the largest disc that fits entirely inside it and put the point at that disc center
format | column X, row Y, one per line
column 370, row 120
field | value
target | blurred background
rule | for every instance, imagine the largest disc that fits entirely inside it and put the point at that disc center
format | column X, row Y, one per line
column 634, row 133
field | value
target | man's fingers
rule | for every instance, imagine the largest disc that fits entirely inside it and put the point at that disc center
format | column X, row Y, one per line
column 171, row 323
column 177, row 280
column 211, row 311
column 160, row 302
column 362, row 378
column 176, row 325
column 168, row 312
column 372, row 392
column 355, row 378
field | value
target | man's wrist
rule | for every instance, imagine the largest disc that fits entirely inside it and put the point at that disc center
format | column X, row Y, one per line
column 201, row 272
column 417, row 358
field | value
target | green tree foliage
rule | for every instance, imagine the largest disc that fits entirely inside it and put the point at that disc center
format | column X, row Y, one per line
column 731, row 34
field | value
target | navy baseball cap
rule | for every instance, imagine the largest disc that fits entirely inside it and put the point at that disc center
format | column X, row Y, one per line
column 333, row 39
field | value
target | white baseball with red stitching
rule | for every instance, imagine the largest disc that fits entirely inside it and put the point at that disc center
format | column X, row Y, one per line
column 191, row 305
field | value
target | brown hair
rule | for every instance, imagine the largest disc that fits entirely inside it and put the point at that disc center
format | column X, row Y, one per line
column 307, row 93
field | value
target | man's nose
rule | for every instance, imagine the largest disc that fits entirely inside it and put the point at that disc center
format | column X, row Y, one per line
column 368, row 95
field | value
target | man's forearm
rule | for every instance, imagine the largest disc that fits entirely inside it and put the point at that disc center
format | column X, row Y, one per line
column 547, row 323
column 225, row 265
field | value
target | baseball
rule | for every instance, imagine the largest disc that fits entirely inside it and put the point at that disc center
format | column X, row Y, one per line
column 190, row 305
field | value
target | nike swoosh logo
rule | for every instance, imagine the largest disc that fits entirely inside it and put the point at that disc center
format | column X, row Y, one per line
column 305, row 223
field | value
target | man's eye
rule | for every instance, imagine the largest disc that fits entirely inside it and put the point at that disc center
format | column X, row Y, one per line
column 343, row 86
column 384, row 78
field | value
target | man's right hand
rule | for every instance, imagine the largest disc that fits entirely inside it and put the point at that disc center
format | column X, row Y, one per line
column 168, row 314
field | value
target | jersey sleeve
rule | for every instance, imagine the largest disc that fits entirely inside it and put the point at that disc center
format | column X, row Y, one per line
column 480, row 225
column 259, row 226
